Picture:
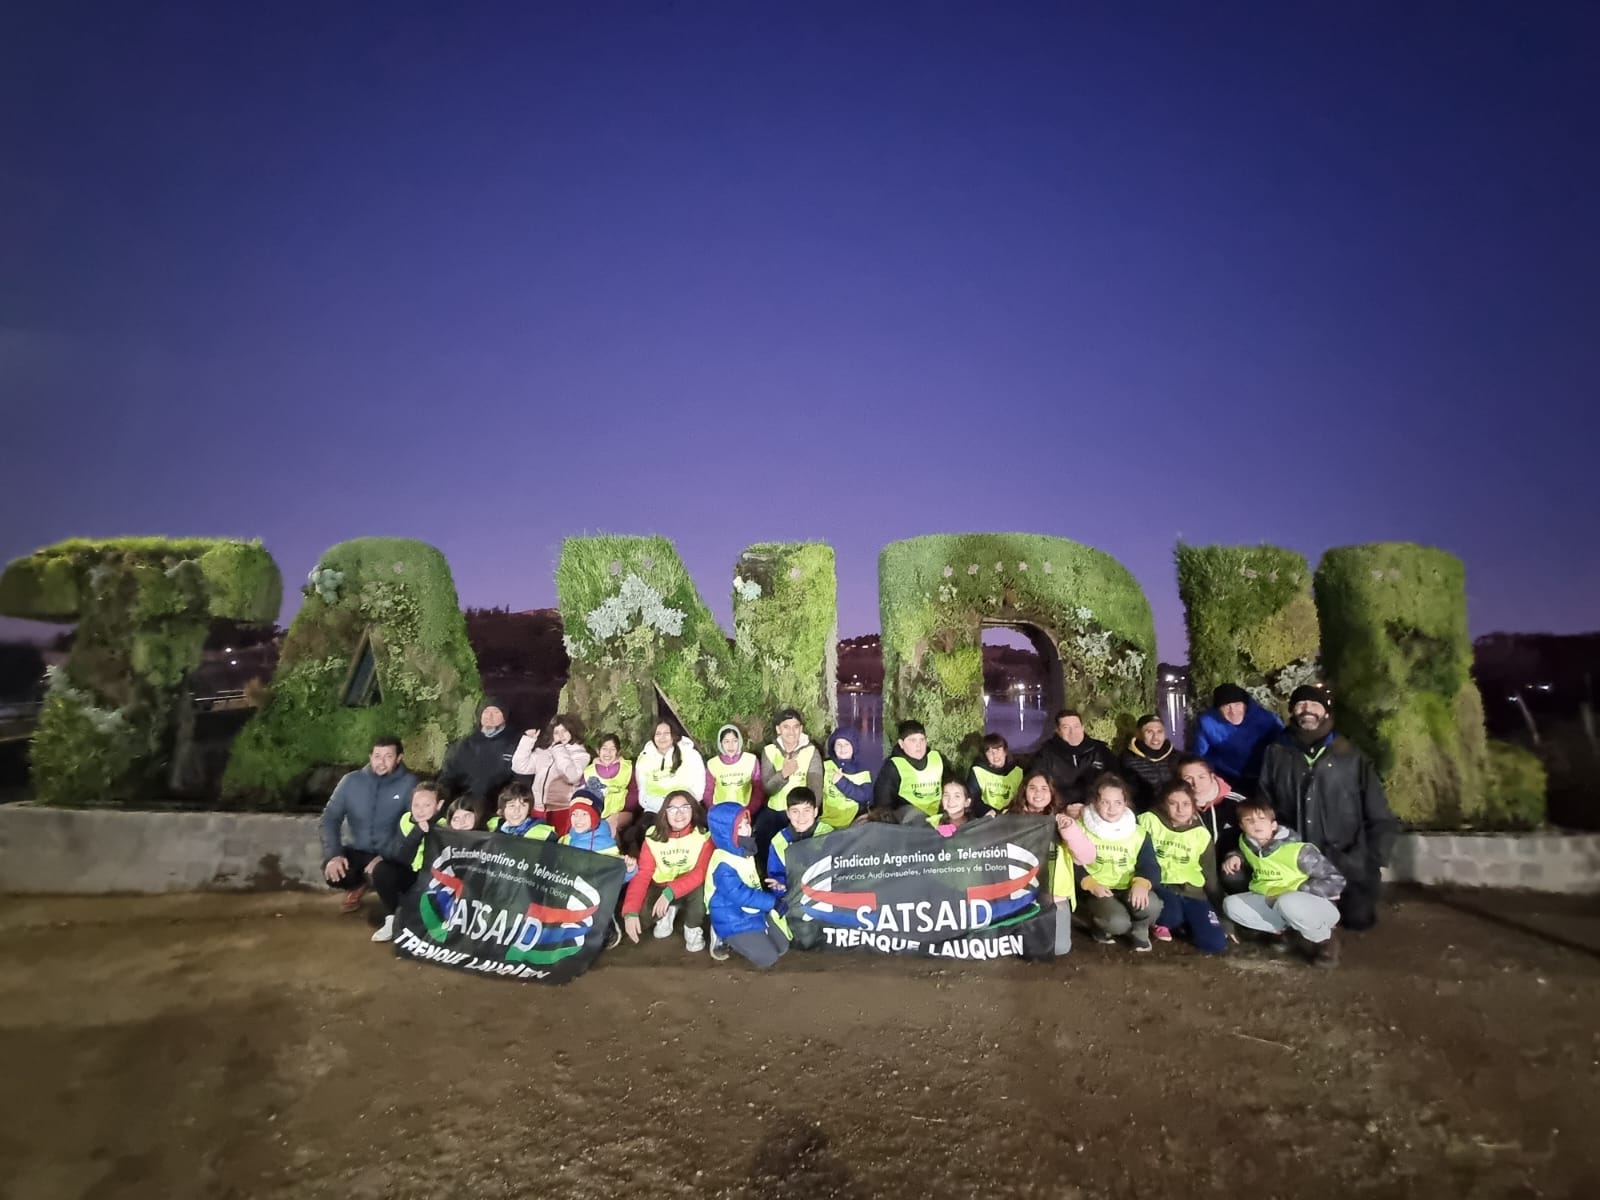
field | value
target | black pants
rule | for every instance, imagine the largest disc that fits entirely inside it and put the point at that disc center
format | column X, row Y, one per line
column 391, row 880
column 1358, row 907
column 356, row 876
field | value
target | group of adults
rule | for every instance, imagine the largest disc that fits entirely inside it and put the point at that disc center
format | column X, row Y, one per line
column 1317, row 781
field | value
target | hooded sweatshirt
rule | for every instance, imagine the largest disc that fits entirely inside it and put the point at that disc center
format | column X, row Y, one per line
column 743, row 765
column 735, row 899
column 844, row 799
column 1236, row 750
column 479, row 766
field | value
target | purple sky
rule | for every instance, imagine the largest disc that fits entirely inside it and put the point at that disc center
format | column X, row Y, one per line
column 1308, row 275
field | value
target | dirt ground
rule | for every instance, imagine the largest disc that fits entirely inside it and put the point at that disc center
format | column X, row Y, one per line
column 260, row 1046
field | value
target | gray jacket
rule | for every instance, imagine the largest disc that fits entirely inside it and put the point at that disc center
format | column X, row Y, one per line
column 371, row 805
column 1324, row 881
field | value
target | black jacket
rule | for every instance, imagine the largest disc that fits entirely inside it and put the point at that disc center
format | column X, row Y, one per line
column 1071, row 768
column 1146, row 773
column 478, row 767
column 1336, row 802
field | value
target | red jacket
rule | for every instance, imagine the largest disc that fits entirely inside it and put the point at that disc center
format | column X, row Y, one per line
column 633, row 898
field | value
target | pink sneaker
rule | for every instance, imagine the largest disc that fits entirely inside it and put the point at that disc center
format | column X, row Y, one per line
column 1161, row 933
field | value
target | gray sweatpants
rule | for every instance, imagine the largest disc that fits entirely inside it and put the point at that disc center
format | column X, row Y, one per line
column 1114, row 915
column 1312, row 917
column 763, row 948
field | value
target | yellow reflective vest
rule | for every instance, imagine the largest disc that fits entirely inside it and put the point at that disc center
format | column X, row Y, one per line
column 1180, row 853
column 921, row 788
column 1114, row 861
column 735, row 781
column 779, row 800
column 838, row 810
column 999, row 788
column 615, row 788
column 1276, row 872
column 676, row 855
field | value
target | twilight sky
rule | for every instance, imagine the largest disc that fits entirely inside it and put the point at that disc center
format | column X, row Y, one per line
column 1303, row 274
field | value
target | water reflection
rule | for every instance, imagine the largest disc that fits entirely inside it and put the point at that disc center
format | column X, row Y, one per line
column 1021, row 720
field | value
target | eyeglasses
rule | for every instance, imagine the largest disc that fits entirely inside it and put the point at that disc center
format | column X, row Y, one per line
column 679, row 808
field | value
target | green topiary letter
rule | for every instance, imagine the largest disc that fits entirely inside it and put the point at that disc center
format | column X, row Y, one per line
column 379, row 647
column 114, row 712
column 1085, row 612
column 635, row 625
column 1393, row 617
column 1251, row 620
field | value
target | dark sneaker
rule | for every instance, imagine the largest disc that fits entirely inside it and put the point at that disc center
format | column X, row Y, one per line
column 1139, row 939
column 1104, row 938
column 1325, row 954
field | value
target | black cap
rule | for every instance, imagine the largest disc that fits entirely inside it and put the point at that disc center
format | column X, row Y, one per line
column 1229, row 693
column 787, row 714
column 1310, row 692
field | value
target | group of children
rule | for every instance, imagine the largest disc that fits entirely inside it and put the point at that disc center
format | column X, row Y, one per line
column 698, row 851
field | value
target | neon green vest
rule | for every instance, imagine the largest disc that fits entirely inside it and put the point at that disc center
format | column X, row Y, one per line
column 781, row 840
column 745, row 865
column 656, row 781
column 921, row 788
column 566, row 840
column 1114, row 860
column 735, row 781
column 1062, row 884
column 407, row 824
column 779, row 800
column 1179, row 854
column 1275, row 873
column 676, row 856
column 539, row 831
column 838, row 810
column 615, row 788
column 998, row 790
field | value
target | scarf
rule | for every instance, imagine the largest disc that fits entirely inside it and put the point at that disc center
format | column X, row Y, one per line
column 1109, row 831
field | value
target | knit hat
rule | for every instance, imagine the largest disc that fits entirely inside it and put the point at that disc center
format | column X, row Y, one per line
column 585, row 798
column 1229, row 693
column 1312, row 693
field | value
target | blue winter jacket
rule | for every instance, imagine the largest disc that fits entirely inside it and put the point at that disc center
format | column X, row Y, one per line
column 861, row 793
column 733, row 895
column 1235, row 751
column 371, row 805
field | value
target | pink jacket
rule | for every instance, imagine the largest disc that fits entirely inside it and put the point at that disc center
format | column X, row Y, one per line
column 556, row 771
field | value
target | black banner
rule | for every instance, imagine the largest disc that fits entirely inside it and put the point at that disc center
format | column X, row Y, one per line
column 507, row 906
column 904, row 889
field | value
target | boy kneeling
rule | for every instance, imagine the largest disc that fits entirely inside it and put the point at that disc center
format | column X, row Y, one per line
column 1292, row 886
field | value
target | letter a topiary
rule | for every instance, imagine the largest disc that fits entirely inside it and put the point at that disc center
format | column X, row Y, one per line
column 109, row 724
column 635, row 626
column 1394, row 641
column 937, row 593
column 1251, row 620
column 379, row 647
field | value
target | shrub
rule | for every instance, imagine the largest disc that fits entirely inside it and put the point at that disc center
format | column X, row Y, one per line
column 1515, row 796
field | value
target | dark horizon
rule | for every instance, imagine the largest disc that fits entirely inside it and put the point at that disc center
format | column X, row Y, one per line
column 839, row 273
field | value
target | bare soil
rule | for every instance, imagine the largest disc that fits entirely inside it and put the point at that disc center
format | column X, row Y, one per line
column 260, row 1046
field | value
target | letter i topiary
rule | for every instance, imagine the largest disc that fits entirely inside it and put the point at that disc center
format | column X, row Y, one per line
column 143, row 607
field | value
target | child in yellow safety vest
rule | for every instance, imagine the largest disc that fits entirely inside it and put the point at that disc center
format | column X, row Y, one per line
column 1189, row 891
column 516, row 816
column 742, row 917
column 995, row 779
column 1038, row 798
column 671, row 869
column 846, row 782
column 1120, row 883
column 1293, row 887
column 803, row 825
column 396, row 871
column 734, row 775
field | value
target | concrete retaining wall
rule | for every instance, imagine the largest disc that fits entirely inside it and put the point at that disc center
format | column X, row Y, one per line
column 45, row 850
column 1539, row 862
column 53, row 850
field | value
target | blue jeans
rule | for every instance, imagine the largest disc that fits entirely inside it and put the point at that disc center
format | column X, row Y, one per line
column 1186, row 907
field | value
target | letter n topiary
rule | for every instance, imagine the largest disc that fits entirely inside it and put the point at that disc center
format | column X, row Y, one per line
column 379, row 647
column 1084, row 610
column 115, row 711
column 636, row 626
column 1251, row 620
column 1394, row 641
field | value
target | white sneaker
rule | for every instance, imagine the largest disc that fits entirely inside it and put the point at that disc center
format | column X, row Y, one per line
column 694, row 940
column 664, row 926
column 719, row 952
column 385, row 932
